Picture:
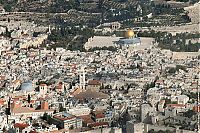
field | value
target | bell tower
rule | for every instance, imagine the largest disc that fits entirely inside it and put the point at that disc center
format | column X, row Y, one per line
column 82, row 78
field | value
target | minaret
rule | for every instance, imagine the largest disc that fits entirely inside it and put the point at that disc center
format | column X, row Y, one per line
column 82, row 78
column 49, row 32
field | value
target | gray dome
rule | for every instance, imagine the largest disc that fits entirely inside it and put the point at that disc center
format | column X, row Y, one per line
column 26, row 86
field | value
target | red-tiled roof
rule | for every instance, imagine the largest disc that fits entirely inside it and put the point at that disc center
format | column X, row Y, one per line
column 94, row 82
column 2, row 102
column 28, row 110
column 21, row 125
column 2, row 77
column 162, row 101
column 196, row 108
column 194, row 82
column 15, row 99
column 159, row 81
column 32, row 101
column 43, row 85
column 59, row 86
column 87, row 119
column 98, row 124
column 100, row 116
column 76, row 91
column 63, row 118
column 33, row 131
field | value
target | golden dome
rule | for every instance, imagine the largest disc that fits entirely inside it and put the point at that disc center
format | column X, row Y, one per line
column 130, row 33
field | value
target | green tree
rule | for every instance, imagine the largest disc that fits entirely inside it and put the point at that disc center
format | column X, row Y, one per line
column 45, row 116
column 61, row 109
column 189, row 113
column 8, row 8
column 71, row 127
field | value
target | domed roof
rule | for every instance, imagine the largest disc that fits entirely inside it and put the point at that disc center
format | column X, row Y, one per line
column 130, row 33
column 26, row 86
